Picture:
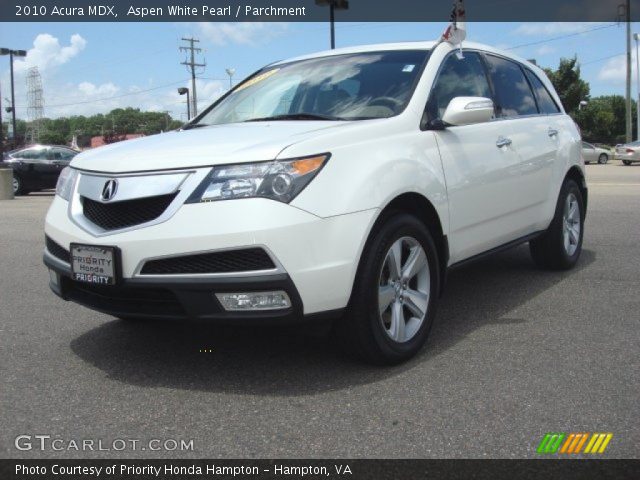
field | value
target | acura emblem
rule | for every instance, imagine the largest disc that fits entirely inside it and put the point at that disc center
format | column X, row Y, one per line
column 109, row 190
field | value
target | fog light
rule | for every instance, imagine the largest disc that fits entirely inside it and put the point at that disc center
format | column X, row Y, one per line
column 254, row 300
column 53, row 276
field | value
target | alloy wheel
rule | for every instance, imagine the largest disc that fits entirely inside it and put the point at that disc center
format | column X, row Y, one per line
column 403, row 289
column 571, row 224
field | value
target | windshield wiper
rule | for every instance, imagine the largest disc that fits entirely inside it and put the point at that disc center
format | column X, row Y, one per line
column 294, row 116
column 195, row 125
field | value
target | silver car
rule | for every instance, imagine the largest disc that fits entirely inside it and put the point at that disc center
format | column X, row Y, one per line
column 591, row 153
column 628, row 153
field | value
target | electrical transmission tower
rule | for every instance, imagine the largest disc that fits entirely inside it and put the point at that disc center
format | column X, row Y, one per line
column 35, row 105
column 191, row 67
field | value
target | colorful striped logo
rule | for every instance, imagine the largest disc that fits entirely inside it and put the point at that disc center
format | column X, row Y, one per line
column 572, row 443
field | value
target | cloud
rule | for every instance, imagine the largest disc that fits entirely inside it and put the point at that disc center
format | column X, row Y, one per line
column 553, row 28
column 253, row 33
column 48, row 53
column 545, row 50
column 86, row 98
column 614, row 71
column 89, row 89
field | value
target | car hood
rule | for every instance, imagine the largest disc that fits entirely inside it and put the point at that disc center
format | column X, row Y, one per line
column 218, row 144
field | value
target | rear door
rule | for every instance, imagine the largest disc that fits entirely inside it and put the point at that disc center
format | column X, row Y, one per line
column 589, row 152
column 535, row 141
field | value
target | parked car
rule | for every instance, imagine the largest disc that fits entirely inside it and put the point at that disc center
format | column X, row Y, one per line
column 628, row 153
column 339, row 185
column 592, row 153
column 37, row 167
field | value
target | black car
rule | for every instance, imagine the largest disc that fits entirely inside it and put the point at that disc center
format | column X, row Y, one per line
column 37, row 167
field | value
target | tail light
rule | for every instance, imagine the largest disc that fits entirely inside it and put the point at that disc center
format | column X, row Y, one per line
column 630, row 150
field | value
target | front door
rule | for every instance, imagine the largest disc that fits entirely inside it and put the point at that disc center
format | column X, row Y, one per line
column 481, row 164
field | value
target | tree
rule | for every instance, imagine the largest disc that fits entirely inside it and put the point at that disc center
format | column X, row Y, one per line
column 114, row 125
column 603, row 119
column 567, row 82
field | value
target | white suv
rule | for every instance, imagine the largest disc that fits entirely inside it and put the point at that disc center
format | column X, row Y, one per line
column 343, row 185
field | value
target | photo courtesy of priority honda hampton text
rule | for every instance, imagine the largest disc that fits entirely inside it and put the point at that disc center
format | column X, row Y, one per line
column 342, row 185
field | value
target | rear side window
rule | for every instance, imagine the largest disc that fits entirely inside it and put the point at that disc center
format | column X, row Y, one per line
column 32, row 154
column 545, row 101
column 457, row 78
column 513, row 93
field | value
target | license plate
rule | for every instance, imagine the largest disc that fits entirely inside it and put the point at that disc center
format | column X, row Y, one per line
column 93, row 264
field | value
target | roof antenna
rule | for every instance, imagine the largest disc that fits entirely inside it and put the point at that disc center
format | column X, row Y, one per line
column 456, row 32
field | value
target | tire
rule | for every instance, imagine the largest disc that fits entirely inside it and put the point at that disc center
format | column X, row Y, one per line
column 367, row 328
column 627, row 162
column 560, row 246
column 18, row 186
column 603, row 158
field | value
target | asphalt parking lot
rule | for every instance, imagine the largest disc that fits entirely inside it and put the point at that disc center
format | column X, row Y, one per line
column 515, row 353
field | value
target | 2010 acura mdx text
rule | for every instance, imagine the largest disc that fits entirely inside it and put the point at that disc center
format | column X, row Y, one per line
column 341, row 185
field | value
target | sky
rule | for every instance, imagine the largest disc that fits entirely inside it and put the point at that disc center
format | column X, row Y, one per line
column 90, row 68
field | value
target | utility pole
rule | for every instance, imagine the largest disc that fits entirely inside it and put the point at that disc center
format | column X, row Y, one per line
column 333, row 6
column 13, row 53
column 191, row 67
column 1, row 130
column 636, row 37
column 628, row 121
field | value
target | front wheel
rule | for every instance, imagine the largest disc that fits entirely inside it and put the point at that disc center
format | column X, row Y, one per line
column 603, row 158
column 18, row 186
column 393, row 302
column 560, row 246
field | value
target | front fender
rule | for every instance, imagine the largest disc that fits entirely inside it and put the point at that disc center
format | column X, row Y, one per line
column 371, row 174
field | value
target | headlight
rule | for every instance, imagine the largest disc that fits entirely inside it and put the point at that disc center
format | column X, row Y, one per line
column 279, row 180
column 66, row 181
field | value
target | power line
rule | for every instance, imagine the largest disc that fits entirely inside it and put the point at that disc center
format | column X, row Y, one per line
column 191, row 66
column 116, row 96
column 560, row 37
column 582, row 64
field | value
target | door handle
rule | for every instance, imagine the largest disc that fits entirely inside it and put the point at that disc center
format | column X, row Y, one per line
column 503, row 142
column 553, row 132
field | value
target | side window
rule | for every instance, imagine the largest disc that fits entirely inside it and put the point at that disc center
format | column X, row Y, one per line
column 33, row 154
column 26, row 154
column 514, row 95
column 545, row 100
column 457, row 78
column 61, row 154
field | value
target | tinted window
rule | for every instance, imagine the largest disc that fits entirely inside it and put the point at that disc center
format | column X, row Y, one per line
column 545, row 101
column 62, row 154
column 514, row 95
column 457, row 78
column 344, row 87
column 32, row 154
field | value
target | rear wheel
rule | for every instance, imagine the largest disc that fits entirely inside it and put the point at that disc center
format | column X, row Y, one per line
column 627, row 162
column 393, row 302
column 603, row 158
column 560, row 246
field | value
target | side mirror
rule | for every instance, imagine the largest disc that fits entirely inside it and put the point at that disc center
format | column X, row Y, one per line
column 468, row 111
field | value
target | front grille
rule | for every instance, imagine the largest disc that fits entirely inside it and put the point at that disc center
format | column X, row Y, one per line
column 57, row 251
column 124, row 300
column 245, row 260
column 113, row 216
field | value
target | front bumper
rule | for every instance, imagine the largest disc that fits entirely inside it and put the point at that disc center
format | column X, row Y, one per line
column 174, row 299
column 627, row 158
column 317, row 259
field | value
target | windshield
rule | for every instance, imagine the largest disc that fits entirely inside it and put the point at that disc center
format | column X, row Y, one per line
column 345, row 87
